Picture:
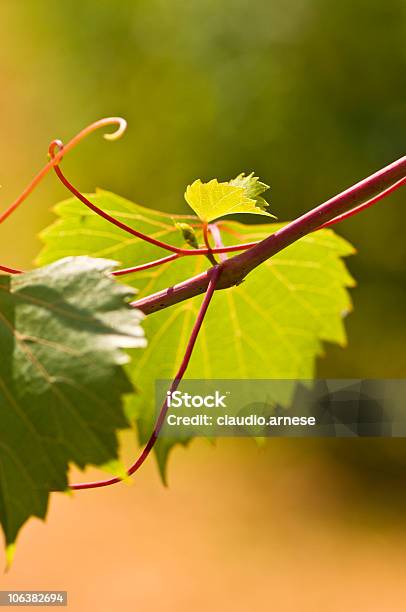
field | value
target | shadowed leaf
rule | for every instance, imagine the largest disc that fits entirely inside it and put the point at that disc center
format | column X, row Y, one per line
column 63, row 329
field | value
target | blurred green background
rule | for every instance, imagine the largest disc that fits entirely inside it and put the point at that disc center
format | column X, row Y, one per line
column 308, row 93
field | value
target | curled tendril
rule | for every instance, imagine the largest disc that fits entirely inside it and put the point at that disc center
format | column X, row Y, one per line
column 62, row 150
column 55, row 144
column 122, row 126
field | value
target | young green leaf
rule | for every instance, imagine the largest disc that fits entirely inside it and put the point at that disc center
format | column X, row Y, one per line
column 63, row 329
column 270, row 326
column 213, row 199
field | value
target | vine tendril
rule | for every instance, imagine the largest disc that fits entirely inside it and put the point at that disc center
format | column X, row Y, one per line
column 215, row 274
column 102, row 123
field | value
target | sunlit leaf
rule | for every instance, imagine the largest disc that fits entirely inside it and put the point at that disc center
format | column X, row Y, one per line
column 254, row 188
column 271, row 326
column 213, row 199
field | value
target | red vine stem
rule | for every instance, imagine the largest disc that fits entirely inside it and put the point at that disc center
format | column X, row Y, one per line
column 365, row 205
column 206, row 239
column 56, row 157
column 112, row 219
column 150, row 304
column 216, row 271
column 130, row 230
column 219, row 246
column 349, row 202
column 118, row 121
column 163, row 245
column 205, row 229
column 10, row 270
column 146, row 266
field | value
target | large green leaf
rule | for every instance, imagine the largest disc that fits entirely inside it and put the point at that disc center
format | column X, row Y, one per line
column 62, row 331
column 270, row 326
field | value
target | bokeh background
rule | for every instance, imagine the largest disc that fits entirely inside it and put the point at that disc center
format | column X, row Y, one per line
column 311, row 95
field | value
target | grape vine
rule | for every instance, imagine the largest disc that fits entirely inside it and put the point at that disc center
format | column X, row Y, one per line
column 221, row 275
column 229, row 265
